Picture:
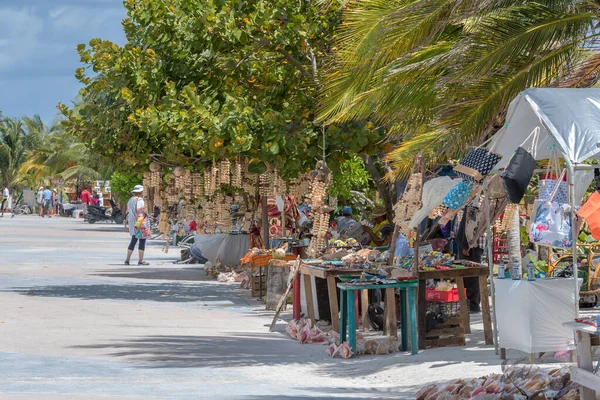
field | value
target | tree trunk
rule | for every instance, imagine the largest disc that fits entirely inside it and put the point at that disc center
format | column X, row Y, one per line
column 386, row 189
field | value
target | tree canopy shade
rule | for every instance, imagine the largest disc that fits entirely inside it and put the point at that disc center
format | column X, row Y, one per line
column 204, row 80
column 441, row 73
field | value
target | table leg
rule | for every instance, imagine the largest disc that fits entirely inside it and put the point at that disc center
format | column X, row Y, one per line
column 390, row 312
column 343, row 316
column 333, row 303
column 403, row 318
column 296, row 298
column 364, row 297
column 412, row 308
column 485, row 311
column 310, row 305
column 464, row 309
column 356, row 314
column 421, row 313
column 351, row 322
column 584, row 361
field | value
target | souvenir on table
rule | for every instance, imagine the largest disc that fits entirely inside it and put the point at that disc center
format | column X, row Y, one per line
column 552, row 223
column 520, row 168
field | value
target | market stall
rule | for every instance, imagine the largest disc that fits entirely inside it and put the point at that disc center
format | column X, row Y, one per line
column 548, row 122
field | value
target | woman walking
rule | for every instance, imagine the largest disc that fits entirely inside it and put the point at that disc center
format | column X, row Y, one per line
column 135, row 205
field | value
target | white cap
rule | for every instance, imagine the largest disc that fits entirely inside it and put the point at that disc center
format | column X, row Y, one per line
column 137, row 189
column 41, row 188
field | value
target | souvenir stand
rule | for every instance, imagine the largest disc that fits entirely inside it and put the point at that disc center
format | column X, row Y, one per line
column 568, row 121
column 443, row 312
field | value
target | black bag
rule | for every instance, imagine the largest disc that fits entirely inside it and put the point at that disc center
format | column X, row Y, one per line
column 518, row 172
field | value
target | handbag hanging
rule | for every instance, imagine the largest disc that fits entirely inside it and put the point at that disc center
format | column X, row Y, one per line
column 478, row 163
column 550, row 180
column 552, row 223
column 590, row 211
column 520, row 168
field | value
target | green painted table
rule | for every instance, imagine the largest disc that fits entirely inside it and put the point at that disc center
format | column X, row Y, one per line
column 408, row 305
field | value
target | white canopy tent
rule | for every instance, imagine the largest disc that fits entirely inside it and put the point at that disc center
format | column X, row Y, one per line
column 569, row 121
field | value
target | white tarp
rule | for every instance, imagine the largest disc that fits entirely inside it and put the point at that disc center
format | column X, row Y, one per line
column 532, row 314
column 568, row 118
column 228, row 249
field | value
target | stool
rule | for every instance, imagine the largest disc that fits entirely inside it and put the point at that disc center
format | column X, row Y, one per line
column 408, row 297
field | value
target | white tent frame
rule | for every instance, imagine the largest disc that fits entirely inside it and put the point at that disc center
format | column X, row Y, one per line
column 527, row 104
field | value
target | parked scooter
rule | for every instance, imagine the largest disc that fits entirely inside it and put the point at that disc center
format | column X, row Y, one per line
column 97, row 213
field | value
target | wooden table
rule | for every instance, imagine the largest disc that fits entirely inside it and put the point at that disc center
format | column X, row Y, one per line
column 583, row 372
column 407, row 299
column 458, row 274
column 329, row 274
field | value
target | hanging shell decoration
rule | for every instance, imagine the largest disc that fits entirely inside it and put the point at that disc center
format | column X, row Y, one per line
column 236, row 177
column 264, row 182
column 224, row 172
column 187, row 185
column 197, row 185
column 409, row 203
column 320, row 211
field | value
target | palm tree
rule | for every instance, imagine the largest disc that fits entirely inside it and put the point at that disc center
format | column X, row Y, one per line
column 441, row 73
column 13, row 148
column 59, row 158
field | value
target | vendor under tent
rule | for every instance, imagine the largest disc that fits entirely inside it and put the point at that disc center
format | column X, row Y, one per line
column 568, row 122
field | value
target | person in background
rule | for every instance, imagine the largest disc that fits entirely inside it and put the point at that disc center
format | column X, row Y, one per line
column 54, row 200
column 95, row 197
column 47, row 201
column 471, row 254
column 40, row 201
column 345, row 221
column 5, row 196
column 86, row 199
column 135, row 205
column 381, row 234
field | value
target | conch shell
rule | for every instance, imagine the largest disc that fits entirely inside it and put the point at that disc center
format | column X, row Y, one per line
column 345, row 350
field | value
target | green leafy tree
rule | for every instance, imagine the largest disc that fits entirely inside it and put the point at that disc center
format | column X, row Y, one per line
column 198, row 81
column 121, row 185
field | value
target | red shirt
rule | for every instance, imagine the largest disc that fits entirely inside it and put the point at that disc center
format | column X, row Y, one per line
column 85, row 197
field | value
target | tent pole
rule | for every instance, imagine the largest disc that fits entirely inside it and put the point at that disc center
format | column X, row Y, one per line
column 490, row 259
column 571, row 181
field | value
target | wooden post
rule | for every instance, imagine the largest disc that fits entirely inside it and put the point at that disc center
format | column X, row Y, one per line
column 333, row 303
column 364, row 296
column 265, row 222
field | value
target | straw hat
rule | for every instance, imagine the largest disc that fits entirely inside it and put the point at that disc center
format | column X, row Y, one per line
column 378, row 211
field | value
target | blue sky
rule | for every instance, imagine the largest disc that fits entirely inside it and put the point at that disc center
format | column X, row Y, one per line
column 37, row 50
